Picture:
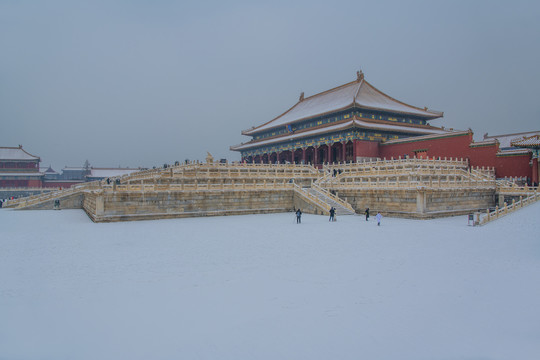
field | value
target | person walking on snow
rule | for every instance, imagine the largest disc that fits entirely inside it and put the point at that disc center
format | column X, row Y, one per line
column 332, row 212
column 378, row 217
column 298, row 216
column 367, row 214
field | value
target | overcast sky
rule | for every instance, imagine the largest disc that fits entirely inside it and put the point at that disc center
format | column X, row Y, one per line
column 142, row 83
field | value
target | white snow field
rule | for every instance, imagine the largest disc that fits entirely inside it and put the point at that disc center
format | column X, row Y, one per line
column 263, row 287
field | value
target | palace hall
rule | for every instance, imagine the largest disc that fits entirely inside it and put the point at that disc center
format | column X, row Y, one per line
column 345, row 123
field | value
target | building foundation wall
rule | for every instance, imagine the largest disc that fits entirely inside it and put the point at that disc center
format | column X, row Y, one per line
column 123, row 206
column 419, row 203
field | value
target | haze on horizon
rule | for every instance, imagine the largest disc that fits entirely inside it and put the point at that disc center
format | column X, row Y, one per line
column 141, row 83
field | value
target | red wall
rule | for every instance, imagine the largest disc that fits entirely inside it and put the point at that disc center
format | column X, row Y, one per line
column 57, row 184
column 510, row 166
column 20, row 183
column 366, row 148
column 19, row 165
column 456, row 146
column 34, row 183
column 459, row 146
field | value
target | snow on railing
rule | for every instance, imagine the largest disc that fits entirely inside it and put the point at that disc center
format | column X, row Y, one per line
column 506, row 209
column 514, row 189
column 410, row 172
column 197, row 186
column 225, row 170
column 411, row 180
column 397, row 162
column 38, row 198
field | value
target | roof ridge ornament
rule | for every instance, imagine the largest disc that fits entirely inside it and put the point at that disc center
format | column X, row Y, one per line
column 209, row 158
column 301, row 98
column 359, row 75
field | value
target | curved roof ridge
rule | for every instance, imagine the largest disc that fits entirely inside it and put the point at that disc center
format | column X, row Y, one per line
column 331, row 90
column 20, row 148
column 358, row 91
column 354, row 93
column 438, row 114
column 37, row 157
column 245, row 132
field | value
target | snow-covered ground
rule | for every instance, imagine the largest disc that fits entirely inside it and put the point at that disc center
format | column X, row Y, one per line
column 263, row 287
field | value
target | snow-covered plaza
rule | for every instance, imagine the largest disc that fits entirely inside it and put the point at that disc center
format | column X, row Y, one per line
column 263, row 287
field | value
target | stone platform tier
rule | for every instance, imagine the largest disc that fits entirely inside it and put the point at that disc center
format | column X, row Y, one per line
column 404, row 187
column 407, row 173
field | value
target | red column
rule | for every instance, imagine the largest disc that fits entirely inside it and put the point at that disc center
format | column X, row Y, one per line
column 304, row 155
column 329, row 153
column 535, row 171
column 354, row 148
column 292, row 156
column 344, row 151
column 315, row 155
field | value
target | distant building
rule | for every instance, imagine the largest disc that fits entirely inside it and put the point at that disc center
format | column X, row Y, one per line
column 49, row 173
column 74, row 173
column 505, row 140
column 104, row 173
column 19, row 168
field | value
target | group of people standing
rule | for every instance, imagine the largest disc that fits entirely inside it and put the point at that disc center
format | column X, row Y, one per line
column 378, row 216
column 333, row 216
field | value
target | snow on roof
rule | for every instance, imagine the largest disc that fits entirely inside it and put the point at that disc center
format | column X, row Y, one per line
column 359, row 93
column 484, row 143
column 370, row 97
column 354, row 122
column 15, row 153
column 110, row 172
column 441, row 133
column 505, row 140
column 530, row 142
column 47, row 169
column 513, row 151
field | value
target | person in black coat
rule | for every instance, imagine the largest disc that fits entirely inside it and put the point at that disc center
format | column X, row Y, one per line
column 332, row 212
column 367, row 214
column 298, row 216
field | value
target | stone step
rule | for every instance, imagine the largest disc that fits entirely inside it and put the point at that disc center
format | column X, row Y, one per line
column 340, row 209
